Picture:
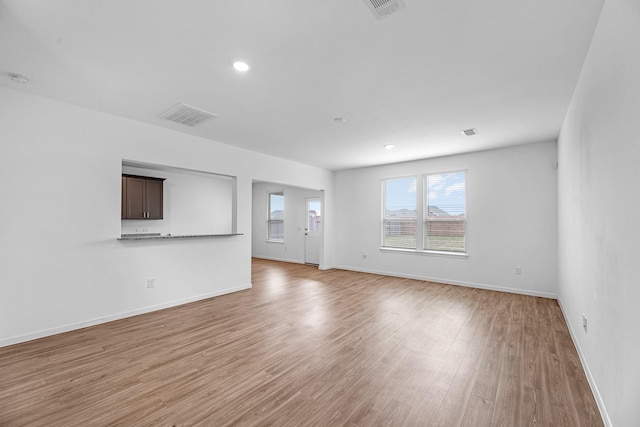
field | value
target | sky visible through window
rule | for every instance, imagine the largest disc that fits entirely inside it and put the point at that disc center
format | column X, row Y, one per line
column 445, row 191
column 401, row 196
column 277, row 202
column 276, row 206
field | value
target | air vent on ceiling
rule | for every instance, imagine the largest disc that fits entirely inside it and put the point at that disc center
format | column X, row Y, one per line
column 470, row 132
column 382, row 8
column 187, row 115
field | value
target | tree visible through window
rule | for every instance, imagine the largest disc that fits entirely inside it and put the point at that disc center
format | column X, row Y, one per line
column 445, row 212
column 276, row 217
column 399, row 215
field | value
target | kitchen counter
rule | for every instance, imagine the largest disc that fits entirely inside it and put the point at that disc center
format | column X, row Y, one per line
column 153, row 236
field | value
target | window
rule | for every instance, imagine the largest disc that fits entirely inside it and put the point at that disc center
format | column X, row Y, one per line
column 275, row 226
column 444, row 213
column 443, row 216
column 399, row 213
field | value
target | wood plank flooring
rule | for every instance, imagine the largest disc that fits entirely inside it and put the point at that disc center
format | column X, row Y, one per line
column 308, row 347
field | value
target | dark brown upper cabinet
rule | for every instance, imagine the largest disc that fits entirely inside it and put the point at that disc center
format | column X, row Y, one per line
column 141, row 197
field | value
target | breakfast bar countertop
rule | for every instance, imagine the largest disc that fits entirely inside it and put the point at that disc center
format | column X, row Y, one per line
column 152, row 236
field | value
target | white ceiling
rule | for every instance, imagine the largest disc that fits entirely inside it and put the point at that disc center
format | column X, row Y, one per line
column 414, row 79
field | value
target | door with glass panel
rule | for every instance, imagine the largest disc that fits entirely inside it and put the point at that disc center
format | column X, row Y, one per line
column 313, row 231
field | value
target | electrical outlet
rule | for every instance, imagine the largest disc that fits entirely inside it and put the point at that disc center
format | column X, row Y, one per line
column 518, row 270
column 151, row 283
column 584, row 322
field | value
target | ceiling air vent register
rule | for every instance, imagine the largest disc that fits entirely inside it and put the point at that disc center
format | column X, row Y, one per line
column 470, row 132
column 382, row 8
column 187, row 115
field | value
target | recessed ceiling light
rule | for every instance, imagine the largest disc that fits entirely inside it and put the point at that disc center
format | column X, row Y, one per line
column 241, row 66
column 388, row 146
column 339, row 120
column 17, row 78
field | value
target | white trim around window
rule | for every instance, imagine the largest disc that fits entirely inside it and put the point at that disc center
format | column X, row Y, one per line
column 275, row 216
column 443, row 214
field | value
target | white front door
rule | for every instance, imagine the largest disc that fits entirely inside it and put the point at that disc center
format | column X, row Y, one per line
column 313, row 231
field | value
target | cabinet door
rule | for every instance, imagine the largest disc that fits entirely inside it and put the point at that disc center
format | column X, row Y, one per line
column 123, row 206
column 135, row 198
column 153, row 199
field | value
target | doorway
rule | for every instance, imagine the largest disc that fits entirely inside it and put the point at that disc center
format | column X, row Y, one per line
column 298, row 227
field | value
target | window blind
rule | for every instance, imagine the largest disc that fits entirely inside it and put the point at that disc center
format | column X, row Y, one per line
column 399, row 217
column 275, row 221
column 445, row 212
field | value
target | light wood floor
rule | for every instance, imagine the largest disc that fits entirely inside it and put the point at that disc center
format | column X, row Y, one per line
column 309, row 347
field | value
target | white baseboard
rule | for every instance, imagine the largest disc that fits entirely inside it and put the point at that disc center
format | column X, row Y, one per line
column 454, row 282
column 320, row 267
column 585, row 368
column 293, row 261
column 104, row 319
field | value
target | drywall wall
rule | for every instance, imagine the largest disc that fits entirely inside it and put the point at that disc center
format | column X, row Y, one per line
column 511, row 221
column 194, row 203
column 63, row 267
column 599, row 171
column 295, row 217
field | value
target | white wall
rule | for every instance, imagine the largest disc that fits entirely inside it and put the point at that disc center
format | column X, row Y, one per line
column 194, row 203
column 295, row 216
column 62, row 267
column 599, row 207
column 511, row 211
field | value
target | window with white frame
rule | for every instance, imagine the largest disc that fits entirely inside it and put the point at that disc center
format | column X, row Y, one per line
column 445, row 219
column 399, row 214
column 275, row 226
column 443, row 197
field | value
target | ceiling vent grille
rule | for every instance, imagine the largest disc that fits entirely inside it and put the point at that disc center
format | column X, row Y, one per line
column 187, row 115
column 470, row 132
column 382, row 8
